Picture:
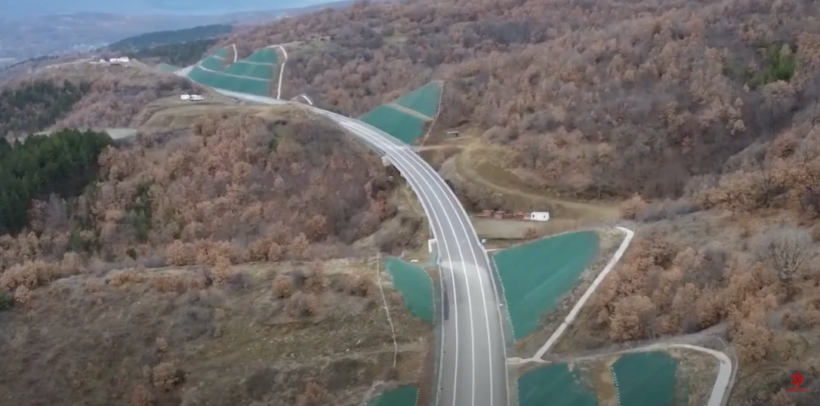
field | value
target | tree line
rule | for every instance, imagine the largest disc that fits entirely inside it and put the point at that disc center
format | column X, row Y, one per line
column 62, row 164
column 157, row 38
column 36, row 105
column 179, row 54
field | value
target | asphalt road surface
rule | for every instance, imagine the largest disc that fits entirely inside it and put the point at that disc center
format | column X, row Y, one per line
column 473, row 363
column 473, row 368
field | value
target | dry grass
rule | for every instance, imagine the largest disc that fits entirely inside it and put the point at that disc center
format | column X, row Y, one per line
column 511, row 229
column 202, row 345
column 490, row 166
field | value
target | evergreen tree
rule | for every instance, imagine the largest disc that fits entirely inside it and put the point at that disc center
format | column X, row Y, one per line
column 63, row 164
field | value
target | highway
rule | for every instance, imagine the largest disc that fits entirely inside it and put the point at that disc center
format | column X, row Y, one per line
column 473, row 361
column 472, row 367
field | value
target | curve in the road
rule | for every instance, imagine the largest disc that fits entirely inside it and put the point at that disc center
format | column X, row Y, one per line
column 473, row 368
column 484, row 382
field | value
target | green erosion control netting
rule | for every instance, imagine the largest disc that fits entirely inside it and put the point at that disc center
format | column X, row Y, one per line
column 415, row 287
column 253, row 70
column 555, row 385
column 235, row 84
column 164, row 67
column 401, row 125
column 264, row 55
column 242, row 76
column 538, row 274
column 401, row 396
column 213, row 63
column 645, row 378
column 406, row 127
column 423, row 100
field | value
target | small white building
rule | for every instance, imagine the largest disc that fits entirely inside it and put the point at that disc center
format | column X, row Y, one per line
column 539, row 216
column 117, row 61
column 192, row 97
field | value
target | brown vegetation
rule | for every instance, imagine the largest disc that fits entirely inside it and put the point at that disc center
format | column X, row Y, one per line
column 315, row 395
column 241, row 189
column 142, row 396
column 659, row 284
column 597, row 97
column 131, row 344
column 166, row 375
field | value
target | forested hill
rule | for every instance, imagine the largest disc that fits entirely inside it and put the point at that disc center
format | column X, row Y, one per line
column 153, row 39
column 62, row 164
column 596, row 98
column 36, row 105
column 179, row 54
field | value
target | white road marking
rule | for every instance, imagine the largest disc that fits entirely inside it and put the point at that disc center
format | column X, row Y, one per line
column 377, row 139
column 400, row 155
column 448, row 193
column 363, row 130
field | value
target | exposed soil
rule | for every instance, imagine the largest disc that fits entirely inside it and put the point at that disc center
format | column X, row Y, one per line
column 487, row 167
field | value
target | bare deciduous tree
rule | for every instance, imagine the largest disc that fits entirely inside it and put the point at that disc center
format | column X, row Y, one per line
column 786, row 250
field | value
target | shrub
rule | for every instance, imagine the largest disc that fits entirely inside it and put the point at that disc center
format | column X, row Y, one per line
column 22, row 295
column 301, row 305
column 359, row 285
column 791, row 321
column 166, row 375
column 142, row 396
column 222, row 272
column 181, row 254
column 315, row 395
column 125, row 277
column 633, row 206
column 281, row 287
column 316, row 281
column 631, row 318
column 162, row 344
column 751, row 340
column 530, row 233
column 297, row 306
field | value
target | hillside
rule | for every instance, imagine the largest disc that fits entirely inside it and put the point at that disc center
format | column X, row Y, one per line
column 156, row 38
column 230, row 225
column 107, row 96
column 692, row 123
column 661, row 82
column 37, row 104
column 704, row 127
column 176, row 47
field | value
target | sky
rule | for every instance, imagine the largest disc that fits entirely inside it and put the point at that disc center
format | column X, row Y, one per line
column 24, row 8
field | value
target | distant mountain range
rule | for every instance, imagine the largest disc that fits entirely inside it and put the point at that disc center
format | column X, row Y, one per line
column 30, row 8
column 26, row 32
